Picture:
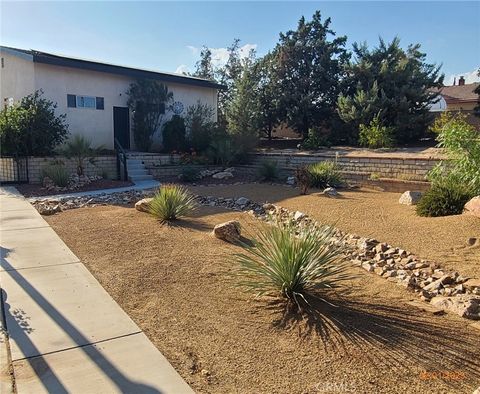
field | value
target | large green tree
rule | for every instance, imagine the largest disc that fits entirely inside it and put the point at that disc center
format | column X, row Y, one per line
column 242, row 112
column 395, row 84
column 31, row 127
column 477, row 90
column 148, row 99
column 266, row 95
column 310, row 68
column 204, row 67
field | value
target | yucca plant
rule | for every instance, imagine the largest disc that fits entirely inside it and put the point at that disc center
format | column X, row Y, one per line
column 268, row 170
column 172, row 202
column 325, row 174
column 290, row 262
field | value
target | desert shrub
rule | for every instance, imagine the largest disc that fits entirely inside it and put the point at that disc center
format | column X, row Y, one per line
column 325, row 174
column 316, row 139
column 200, row 126
column 303, row 179
column 375, row 134
column 80, row 149
column 31, row 127
column 281, row 263
column 446, row 197
column 189, row 174
column 461, row 143
column 172, row 202
column 222, row 151
column 268, row 170
column 173, row 133
column 57, row 173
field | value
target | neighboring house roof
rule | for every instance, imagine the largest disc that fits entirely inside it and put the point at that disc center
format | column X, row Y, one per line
column 460, row 93
column 63, row 61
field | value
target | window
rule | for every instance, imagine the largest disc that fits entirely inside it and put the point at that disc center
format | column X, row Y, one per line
column 91, row 102
column 86, row 102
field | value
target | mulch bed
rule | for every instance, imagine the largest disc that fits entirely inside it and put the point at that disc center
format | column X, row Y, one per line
column 37, row 190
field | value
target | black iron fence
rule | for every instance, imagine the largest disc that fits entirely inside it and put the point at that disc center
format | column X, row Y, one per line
column 13, row 169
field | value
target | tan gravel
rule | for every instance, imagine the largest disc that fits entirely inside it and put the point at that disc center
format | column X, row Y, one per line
column 172, row 281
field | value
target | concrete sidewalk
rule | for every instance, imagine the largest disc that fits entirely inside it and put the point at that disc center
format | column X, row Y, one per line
column 65, row 333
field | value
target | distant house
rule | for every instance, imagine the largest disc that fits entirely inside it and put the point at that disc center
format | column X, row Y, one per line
column 93, row 94
column 461, row 98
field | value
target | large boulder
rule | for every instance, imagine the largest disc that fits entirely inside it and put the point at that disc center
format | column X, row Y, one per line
column 229, row 231
column 467, row 306
column 143, row 205
column 473, row 207
column 410, row 198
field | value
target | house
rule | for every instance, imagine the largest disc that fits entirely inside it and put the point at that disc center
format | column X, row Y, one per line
column 461, row 97
column 93, row 94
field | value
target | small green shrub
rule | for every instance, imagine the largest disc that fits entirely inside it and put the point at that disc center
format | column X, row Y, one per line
column 375, row 135
column 189, row 174
column 325, row 174
column 268, row 170
column 281, row 263
column 444, row 198
column 303, row 179
column 57, row 173
column 222, row 151
column 80, row 149
column 172, row 202
column 316, row 139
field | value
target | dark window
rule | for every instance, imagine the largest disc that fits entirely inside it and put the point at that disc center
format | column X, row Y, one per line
column 71, row 101
column 100, row 104
column 3, row 62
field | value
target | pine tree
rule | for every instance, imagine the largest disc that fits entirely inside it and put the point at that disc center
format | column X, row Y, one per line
column 310, row 67
column 394, row 82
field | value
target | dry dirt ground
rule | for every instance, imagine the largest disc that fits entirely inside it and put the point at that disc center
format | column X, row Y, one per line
column 378, row 215
column 173, row 281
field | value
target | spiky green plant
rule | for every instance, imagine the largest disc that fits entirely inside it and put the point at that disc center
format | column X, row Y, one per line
column 324, row 174
column 281, row 262
column 268, row 170
column 172, row 202
column 57, row 173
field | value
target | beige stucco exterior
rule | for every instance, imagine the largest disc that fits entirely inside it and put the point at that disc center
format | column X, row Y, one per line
column 21, row 77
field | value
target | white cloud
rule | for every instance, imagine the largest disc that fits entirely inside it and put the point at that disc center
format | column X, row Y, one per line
column 470, row 77
column 182, row 69
column 220, row 55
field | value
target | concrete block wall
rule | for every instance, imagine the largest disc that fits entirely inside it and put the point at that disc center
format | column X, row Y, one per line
column 107, row 164
column 411, row 168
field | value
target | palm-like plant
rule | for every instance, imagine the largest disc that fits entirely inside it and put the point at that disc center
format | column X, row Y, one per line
column 284, row 263
column 80, row 149
column 172, row 202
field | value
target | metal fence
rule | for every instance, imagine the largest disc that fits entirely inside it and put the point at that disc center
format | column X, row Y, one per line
column 13, row 170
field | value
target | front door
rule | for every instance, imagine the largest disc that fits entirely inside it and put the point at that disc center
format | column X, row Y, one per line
column 121, row 126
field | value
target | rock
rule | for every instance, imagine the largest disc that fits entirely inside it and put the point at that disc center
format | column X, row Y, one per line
column 463, row 305
column 143, row 205
column 410, row 198
column 291, row 180
column 298, row 216
column 472, row 284
column 229, row 169
column 331, row 192
column 242, row 201
column 473, row 207
column 229, row 231
column 46, row 210
column 222, row 175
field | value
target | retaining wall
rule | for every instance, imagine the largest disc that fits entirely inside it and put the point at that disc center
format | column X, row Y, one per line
column 103, row 164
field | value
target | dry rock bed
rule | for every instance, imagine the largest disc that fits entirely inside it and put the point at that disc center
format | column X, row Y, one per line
column 380, row 334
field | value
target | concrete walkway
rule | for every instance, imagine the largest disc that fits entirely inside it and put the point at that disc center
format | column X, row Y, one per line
column 141, row 185
column 65, row 333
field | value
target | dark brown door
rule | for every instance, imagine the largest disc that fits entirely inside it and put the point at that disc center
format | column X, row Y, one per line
column 121, row 126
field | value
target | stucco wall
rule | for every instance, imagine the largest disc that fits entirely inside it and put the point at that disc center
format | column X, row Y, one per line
column 97, row 125
column 16, row 77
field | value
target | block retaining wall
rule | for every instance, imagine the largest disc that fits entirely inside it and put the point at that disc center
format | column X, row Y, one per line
column 107, row 164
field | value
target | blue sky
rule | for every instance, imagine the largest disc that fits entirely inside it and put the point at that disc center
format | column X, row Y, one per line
column 166, row 36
